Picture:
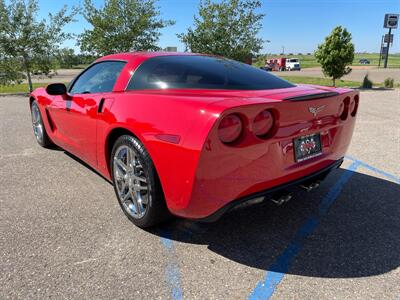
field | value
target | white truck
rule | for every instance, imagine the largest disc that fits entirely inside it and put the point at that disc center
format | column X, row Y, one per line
column 292, row 64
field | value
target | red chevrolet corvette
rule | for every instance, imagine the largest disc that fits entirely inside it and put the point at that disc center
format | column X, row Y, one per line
column 194, row 135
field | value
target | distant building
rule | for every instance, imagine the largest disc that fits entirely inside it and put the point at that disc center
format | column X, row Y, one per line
column 171, row 49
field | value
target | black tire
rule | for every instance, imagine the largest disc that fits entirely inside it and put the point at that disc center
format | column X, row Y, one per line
column 39, row 130
column 156, row 210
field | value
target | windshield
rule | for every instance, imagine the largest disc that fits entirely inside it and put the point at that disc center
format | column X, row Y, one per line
column 202, row 72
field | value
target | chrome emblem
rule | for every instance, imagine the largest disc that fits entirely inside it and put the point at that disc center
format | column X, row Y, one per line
column 316, row 110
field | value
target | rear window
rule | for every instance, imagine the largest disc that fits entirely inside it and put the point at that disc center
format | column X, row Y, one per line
column 202, row 72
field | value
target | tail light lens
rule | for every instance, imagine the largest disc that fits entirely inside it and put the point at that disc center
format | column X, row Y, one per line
column 354, row 106
column 230, row 128
column 344, row 110
column 341, row 109
column 263, row 123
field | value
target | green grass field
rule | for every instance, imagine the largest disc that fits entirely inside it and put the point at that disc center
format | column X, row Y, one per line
column 320, row 81
column 309, row 61
column 19, row 88
column 23, row 88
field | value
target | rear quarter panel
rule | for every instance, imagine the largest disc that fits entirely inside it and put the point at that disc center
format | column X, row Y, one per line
column 152, row 117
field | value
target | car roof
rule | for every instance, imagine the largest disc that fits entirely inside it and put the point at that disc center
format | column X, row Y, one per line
column 143, row 55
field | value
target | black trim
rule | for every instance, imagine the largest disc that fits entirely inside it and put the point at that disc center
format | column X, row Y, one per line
column 319, row 175
column 100, row 108
column 68, row 104
column 312, row 96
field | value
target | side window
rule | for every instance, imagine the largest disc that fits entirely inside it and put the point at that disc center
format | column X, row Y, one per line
column 100, row 78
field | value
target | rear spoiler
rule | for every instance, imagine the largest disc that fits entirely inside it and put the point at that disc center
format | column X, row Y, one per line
column 312, row 96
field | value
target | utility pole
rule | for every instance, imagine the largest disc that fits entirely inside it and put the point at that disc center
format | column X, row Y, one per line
column 380, row 52
column 387, row 48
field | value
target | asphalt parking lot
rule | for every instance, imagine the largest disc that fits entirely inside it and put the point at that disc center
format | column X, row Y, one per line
column 63, row 234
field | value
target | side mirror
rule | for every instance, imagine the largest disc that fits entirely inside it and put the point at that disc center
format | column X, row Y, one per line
column 56, row 89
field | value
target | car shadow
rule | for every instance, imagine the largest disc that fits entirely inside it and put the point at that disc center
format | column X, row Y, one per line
column 358, row 237
column 77, row 159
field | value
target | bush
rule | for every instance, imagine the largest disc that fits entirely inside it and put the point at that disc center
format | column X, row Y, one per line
column 367, row 84
column 389, row 82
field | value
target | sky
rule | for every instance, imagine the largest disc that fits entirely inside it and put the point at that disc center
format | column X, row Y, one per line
column 297, row 25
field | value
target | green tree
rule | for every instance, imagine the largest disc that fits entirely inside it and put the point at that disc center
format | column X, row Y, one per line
column 66, row 58
column 10, row 70
column 336, row 53
column 122, row 26
column 228, row 28
column 29, row 42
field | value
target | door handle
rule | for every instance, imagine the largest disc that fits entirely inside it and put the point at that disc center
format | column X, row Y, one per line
column 100, row 108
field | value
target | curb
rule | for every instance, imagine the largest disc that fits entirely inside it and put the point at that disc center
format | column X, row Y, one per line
column 14, row 94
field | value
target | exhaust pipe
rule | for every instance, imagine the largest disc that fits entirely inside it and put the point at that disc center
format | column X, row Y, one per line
column 311, row 186
column 280, row 199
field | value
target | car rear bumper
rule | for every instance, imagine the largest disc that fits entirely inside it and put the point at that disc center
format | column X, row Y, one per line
column 316, row 176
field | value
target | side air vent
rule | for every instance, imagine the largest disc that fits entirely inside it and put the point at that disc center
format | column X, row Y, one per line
column 312, row 96
column 50, row 120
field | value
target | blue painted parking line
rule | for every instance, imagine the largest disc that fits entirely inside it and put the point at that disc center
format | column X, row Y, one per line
column 376, row 170
column 172, row 272
column 266, row 288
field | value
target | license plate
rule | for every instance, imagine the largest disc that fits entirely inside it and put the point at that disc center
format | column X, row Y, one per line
column 306, row 147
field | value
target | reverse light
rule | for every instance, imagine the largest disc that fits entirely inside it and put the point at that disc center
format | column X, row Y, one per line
column 230, row 128
column 263, row 123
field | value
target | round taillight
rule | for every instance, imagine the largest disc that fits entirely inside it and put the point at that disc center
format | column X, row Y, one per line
column 341, row 108
column 354, row 106
column 230, row 128
column 345, row 111
column 263, row 123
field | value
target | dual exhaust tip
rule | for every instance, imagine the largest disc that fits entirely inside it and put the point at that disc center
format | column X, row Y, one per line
column 283, row 197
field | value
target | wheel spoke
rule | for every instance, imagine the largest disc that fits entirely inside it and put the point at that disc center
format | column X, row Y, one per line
column 124, row 186
column 126, row 196
column 137, row 201
column 139, row 178
column 120, row 164
column 137, row 207
column 141, row 188
column 118, row 175
column 132, row 159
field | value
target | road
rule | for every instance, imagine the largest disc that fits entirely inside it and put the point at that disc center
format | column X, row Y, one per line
column 63, row 234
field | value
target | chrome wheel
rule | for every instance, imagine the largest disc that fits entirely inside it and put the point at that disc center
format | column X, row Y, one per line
column 130, row 182
column 37, row 123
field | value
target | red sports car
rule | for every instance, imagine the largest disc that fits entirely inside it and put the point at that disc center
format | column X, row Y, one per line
column 194, row 135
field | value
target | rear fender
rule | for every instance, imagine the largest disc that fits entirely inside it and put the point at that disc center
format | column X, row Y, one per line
column 172, row 133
